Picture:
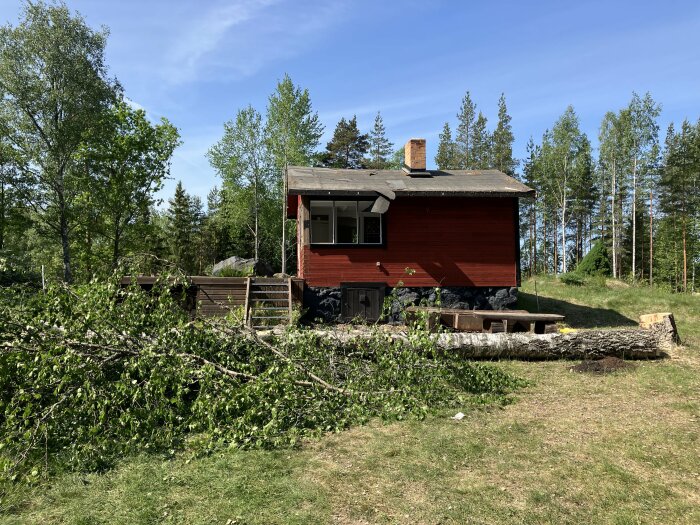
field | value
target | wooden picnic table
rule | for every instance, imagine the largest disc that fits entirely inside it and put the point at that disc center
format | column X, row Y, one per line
column 488, row 321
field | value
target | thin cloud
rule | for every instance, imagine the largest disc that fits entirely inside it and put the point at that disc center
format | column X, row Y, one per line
column 237, row 40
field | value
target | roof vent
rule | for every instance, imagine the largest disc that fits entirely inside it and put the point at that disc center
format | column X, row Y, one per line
column 414, row 158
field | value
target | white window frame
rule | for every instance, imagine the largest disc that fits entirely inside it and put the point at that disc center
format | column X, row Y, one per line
column 359, row 221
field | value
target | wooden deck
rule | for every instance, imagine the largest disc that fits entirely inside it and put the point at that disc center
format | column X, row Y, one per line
column 214, row 296
column 488, row 321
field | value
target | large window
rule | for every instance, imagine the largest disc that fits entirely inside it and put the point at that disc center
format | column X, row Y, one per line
column 345, row 222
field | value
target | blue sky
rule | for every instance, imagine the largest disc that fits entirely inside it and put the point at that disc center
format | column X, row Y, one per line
column 197, row 62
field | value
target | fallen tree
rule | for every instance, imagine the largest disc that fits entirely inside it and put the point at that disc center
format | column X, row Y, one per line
column 89, row 374
column 655, row 337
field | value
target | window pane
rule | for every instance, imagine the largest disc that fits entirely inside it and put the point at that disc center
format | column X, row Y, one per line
column 370, row 224
column 346, row 221
column 321, row 221
column 372, row 229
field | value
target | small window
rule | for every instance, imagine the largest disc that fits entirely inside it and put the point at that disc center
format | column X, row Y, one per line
column 345, row 222
column 370, row 223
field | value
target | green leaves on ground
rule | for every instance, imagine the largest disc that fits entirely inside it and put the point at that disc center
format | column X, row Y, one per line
column 90, row 374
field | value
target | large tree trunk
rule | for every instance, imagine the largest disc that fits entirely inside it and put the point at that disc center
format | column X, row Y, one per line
column 656, row 336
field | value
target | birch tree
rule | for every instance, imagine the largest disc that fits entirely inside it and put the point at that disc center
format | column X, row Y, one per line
column 242, row 159
column 54, row 78
column 569, row 159
column 293, row 132
column 643, row 135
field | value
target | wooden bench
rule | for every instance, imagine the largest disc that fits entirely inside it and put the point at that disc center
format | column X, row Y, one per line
column 487, row 321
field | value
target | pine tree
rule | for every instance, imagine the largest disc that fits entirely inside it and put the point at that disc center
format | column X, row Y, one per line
column 481, row 151
column 446, row 158
column 680, row 198
column 465, row 132
column 503, row 141
column 380, row 148
column 347, row 147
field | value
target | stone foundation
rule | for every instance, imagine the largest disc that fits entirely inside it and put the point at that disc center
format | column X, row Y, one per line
column 324, row 303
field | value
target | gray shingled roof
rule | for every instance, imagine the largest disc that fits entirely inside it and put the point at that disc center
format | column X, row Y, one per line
column 391, row 183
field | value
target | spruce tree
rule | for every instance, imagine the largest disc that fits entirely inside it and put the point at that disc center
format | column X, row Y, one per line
column 347, row 147
column 465, row 132
column 380, row 148
column 182, row 224
column 446, row 158
column 503, row 141
column 481, row 150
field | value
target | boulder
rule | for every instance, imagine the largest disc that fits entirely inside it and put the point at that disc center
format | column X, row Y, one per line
column 235, row 263
column 240, row 264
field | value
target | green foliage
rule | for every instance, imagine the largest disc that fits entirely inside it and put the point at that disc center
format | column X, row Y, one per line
column 55, row 88
column 573, row 279
column 465, row 133
column 447, row 157
column 92, row 373
column 15, row 270
column 481, row 144
column 292, row 128
column 503, row 139
column 347, row 147
column 250, row 188
column 233, row 272
column 596, row 261
column 184, row 229
column 129, row 158
column 380, row 148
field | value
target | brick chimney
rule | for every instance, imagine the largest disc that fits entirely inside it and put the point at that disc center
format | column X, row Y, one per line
column 414, row 156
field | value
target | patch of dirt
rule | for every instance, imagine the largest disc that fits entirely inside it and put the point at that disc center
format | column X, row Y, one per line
column 606, row 365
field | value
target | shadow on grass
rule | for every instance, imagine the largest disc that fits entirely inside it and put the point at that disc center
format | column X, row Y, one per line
column 577, row 316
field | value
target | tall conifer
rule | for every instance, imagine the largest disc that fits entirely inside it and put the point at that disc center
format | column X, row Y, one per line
column 380, row 148
column 465, row 132
column 503, row 140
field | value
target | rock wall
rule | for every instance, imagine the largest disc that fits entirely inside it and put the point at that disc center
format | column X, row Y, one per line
column 324, row 303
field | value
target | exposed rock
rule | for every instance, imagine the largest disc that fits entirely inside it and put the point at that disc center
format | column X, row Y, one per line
column 322, row 303
column 325, row 303
column 240, row 264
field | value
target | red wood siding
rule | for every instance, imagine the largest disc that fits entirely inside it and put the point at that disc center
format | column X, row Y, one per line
column 448, row 241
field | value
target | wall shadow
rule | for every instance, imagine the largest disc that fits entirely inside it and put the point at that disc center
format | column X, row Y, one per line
column 577, row 316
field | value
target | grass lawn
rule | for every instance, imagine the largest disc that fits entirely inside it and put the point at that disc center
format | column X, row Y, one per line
column 574, row 448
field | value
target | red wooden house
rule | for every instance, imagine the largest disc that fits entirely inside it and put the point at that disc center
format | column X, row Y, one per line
column 362, row 233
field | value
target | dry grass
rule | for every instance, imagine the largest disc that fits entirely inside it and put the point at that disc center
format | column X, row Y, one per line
column 575, row 448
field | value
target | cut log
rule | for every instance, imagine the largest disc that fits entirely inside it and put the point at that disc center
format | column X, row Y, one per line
column 663, row 321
